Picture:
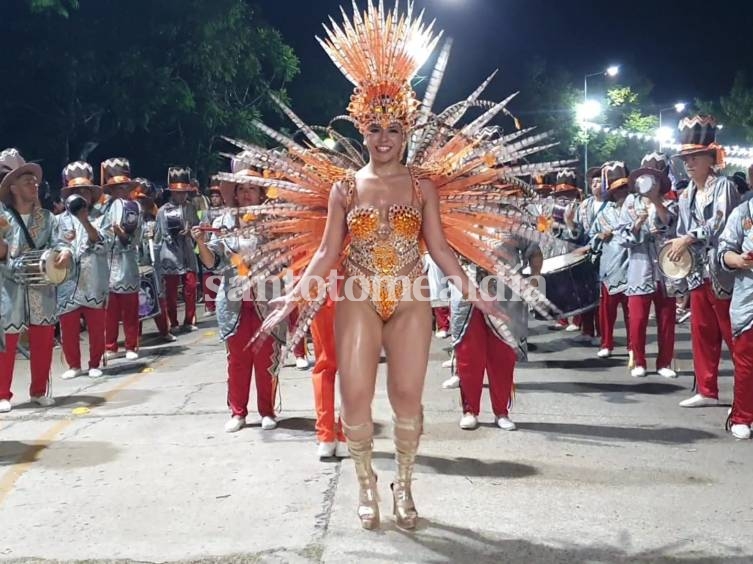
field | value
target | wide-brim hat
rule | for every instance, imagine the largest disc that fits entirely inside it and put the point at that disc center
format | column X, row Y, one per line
column 698, row 137
column 230, row 182
column 179, row 179
column 12, row 167
column 95, row 190
column 663, row 180
column 79, row 175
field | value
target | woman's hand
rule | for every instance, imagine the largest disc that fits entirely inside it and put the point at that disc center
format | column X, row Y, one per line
column 281, row 308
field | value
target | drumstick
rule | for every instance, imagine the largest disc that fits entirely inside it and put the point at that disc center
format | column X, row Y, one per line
column 207, row 229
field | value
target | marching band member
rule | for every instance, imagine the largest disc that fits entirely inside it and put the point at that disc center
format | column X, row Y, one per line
column 146, row 194
column 704, row 207
column 239, row 312
column 736, row 255
column 122, row 219
column 25, row 226
column 479, row 345
column 439, row 291
column 329, row 432
column 84, row 293
column 613, row 258
column 574, row 231
column 647, row 222
column 209, row 278
column 175, row 247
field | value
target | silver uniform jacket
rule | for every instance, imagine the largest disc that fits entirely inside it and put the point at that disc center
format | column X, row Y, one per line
column 233, row 289
column 88, row 283
column 644, row 276
column 516, row 252
column 20, row 305
column 738, row 237
column 175, row 252
column 706, row 227
column 613, row 261
column 123, row 258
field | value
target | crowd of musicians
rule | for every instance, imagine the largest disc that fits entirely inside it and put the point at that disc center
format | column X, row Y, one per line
column 639, row 238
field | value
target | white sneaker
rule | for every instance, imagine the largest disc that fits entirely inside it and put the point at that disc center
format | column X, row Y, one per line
column 235, row 424
column 506, row 424
column 302, row 363
column 131, row 355
column 638, row 372
column 468, row 422
column 71, row 373
column 190, row 328
column 699, row 401
column 447, row 363
column 44, row 401
column 341, row 450
column 666, row 372
column 604, row 353
column 5, row 406
column 451, row 383
column 740, row 431
column 268, row 423
column 95, row 373
column 326, row 450
column 441, row 334
column 572, row 328
column 169, row 338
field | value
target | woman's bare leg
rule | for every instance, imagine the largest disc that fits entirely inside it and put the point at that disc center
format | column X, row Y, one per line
column 407, row 360
column 358, row 338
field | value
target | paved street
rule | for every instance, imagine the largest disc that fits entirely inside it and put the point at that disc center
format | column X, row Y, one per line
column 603, row 468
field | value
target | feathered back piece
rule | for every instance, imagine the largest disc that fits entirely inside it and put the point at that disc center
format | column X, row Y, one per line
column 380, row 52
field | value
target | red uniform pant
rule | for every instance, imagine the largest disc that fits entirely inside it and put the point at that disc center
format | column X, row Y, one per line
column 482, row 351
column 640, row 307
column 172, row 281
column 261, row 360
column 125, row 308
column 742, row 404
column 299, row 350
column 70, row 332
column 442, row 317
column 608, row 307
column 709, row 325
column 587, row 322
column 209, row 282
column 328, row 427
column 41, row 341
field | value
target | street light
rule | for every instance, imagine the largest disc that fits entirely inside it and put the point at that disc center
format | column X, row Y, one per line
column 588, row 111
column 611, row 71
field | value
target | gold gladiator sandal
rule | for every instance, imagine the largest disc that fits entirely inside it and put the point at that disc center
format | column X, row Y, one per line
column 406, row 434
column 360, row 452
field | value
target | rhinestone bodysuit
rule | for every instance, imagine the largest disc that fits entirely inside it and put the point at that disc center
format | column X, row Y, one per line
column 384, row 255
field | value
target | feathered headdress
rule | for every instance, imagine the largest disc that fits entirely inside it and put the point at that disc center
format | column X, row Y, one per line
column 380, row 52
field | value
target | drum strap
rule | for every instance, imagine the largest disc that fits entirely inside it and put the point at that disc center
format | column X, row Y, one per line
column 27, row 235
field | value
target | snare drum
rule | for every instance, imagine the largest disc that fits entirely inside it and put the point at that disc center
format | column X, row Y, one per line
column 572, row 283
column 675, row 270
column 37, row 268
column 148, row 293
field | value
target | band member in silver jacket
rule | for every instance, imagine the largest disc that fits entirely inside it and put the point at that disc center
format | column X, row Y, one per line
column 84, row 293
column 704, row 207
column 123, row 222
column 175, row 247
column 26, row 228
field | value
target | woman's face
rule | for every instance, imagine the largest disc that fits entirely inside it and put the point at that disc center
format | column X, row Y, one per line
column 247, row 195
column 385, row 144
column 699, row 165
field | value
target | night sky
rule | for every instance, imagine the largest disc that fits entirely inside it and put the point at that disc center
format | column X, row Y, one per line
column 687, row 49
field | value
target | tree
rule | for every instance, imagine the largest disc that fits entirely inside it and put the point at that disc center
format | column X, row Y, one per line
column 157, row 82
column 735, row 110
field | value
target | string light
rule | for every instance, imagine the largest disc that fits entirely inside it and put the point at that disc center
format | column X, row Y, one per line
column 735, row 155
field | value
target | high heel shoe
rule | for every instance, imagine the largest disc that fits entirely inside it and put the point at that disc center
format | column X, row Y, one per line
column 406, row 436
column 368, row 497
